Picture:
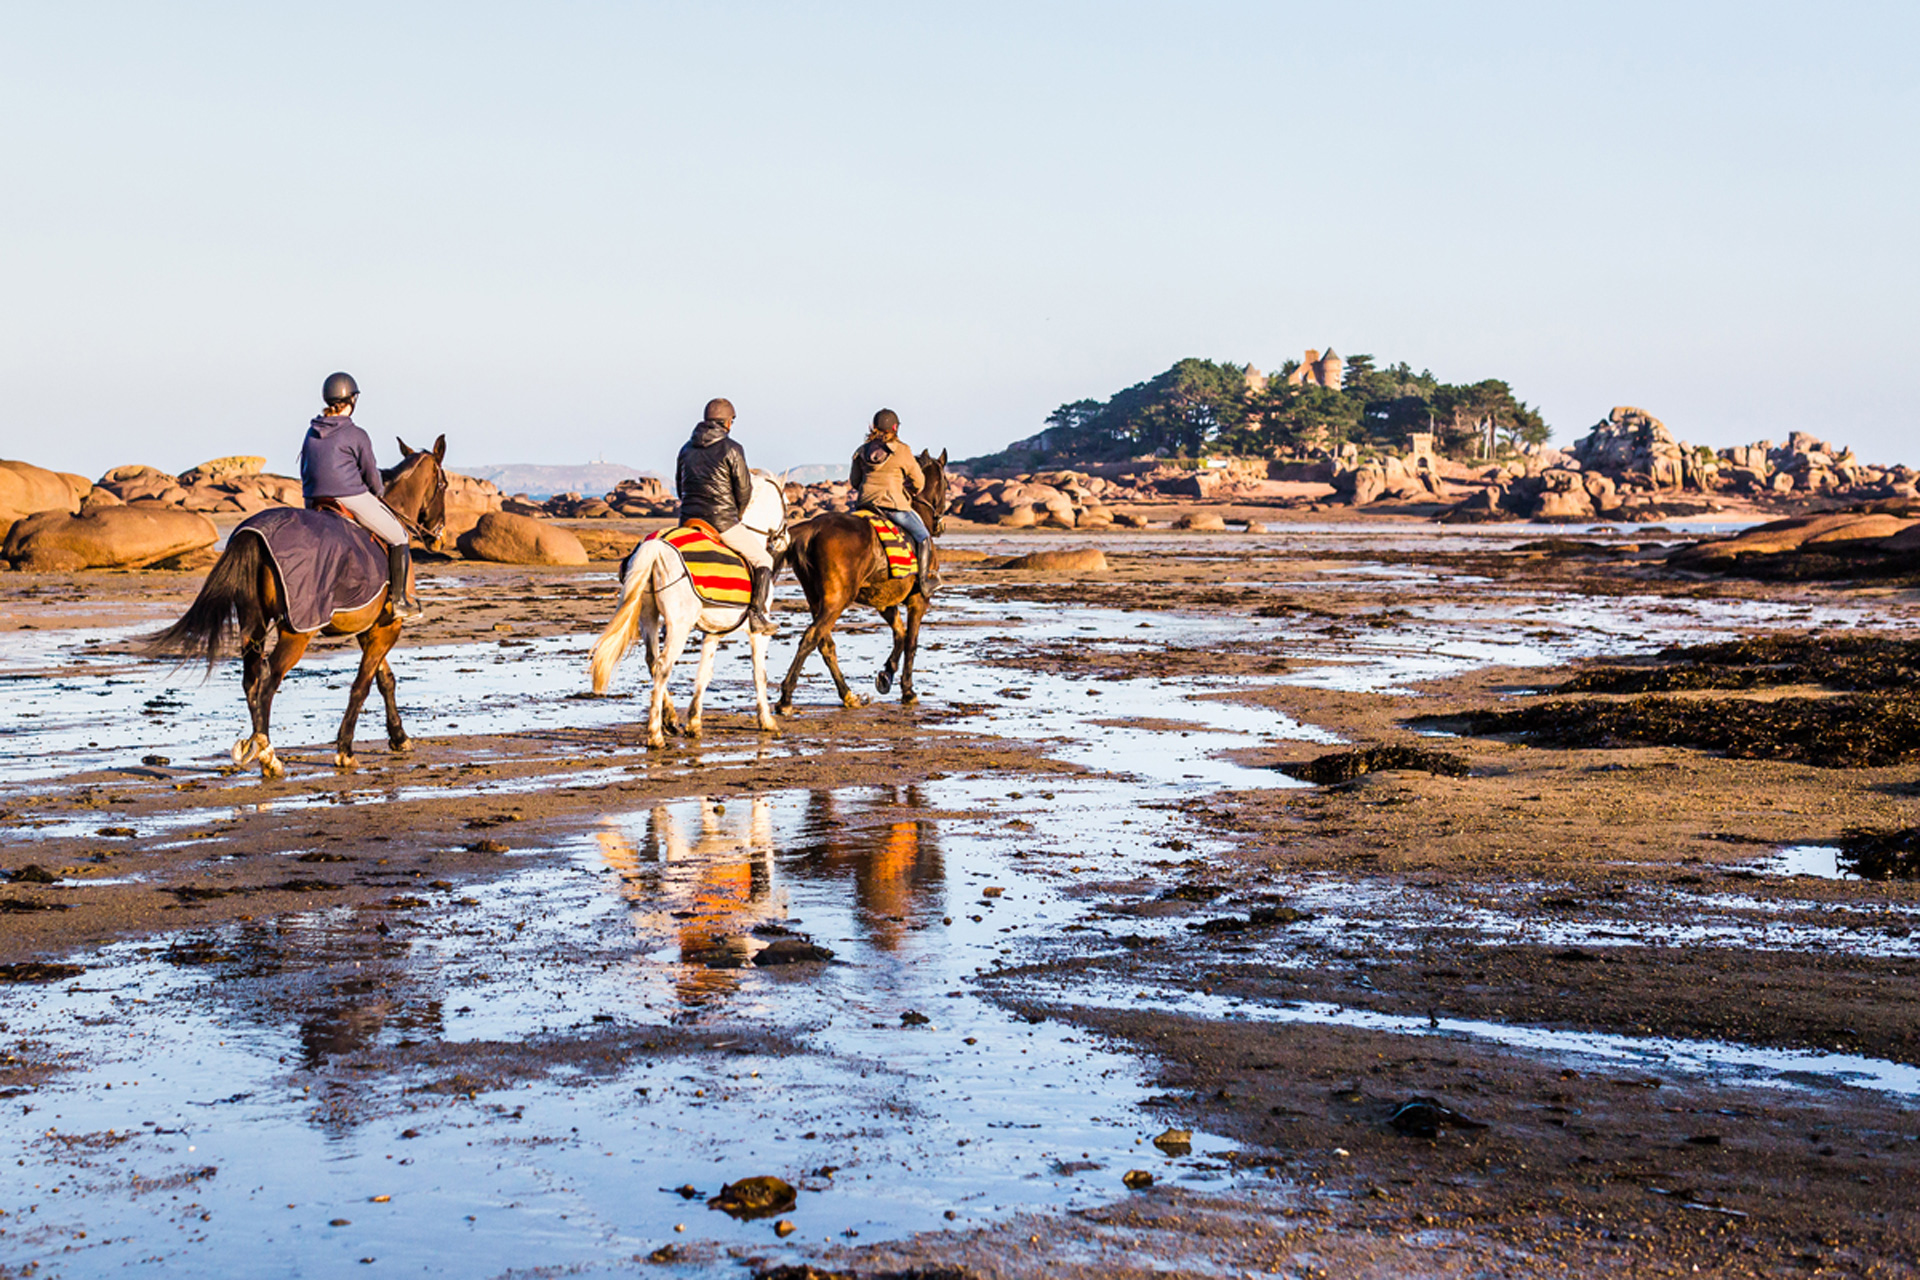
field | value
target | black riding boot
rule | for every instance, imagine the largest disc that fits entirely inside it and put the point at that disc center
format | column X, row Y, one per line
column 758, row 619
column 399, row 582
column 929, row 576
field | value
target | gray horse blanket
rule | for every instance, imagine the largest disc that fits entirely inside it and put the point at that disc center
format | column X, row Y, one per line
column 326, row 562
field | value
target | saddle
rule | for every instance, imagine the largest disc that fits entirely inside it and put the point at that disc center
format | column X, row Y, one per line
column 719, row 573
column 902, row 562
column 332, row 507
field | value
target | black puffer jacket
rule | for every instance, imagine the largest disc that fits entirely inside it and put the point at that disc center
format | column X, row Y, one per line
column 712, row 478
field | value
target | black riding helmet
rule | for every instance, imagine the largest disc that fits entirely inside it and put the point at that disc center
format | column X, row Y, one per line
column 339, row 388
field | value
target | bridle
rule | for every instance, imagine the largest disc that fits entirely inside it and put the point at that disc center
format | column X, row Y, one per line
column 431, row 535
column 780, row 495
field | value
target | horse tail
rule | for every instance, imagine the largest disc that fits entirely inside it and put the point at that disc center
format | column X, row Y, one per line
column 636, row 584
column 229, row 601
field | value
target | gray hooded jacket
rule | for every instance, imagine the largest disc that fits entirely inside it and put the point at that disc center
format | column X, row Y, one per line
column 336, row 461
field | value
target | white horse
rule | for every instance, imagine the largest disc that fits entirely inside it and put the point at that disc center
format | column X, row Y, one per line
column 657, row 600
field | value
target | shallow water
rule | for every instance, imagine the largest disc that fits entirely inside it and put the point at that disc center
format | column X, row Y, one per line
column 974, row 1111
column 294, row 1056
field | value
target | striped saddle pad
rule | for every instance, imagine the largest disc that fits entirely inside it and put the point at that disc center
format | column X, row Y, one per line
column 720, row 575
column 901, row 562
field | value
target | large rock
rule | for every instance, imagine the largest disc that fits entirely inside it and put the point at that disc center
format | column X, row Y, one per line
column 1767, row 539
column 124, row 537
column 505, row 538
column 1872, row 525
column 1362, row 484
column 1200, row 522
column 223, row 469
column 469, row 498
column 25, row 489
column 1632, row 442
column 1083, row 560
column 1020, row 517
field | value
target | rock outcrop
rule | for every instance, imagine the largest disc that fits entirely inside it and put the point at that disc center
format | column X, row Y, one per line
column 26, row 489
column 505, row 538
column 107, row 537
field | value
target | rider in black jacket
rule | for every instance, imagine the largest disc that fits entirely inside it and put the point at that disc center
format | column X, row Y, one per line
column 715, row 485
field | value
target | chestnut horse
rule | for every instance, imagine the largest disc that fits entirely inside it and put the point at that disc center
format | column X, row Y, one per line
column 243, row 594
column 838, row 559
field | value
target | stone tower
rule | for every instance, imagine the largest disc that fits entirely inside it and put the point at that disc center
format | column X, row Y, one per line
column 1318, row 371
column 1329, row 370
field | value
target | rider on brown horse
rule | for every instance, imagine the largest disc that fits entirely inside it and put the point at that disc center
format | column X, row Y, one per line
column 885, row 476
column 715, row 486
column 336, row 464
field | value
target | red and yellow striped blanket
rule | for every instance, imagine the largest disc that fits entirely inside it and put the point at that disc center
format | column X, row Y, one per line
column 720, row 575
column 901, row 562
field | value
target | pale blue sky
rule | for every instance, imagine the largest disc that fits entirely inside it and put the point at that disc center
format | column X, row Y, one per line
column 552, row 231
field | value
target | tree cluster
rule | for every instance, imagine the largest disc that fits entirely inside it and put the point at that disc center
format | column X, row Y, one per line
column 1205, row 406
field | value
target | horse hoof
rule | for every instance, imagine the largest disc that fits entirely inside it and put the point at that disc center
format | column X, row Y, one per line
column 247, row 750
column 657, row 744
column 909, row 699
column 400, row 747
column 692, row 730
column 271, row 770
column 784, row 709
column 854, row 700
column 343, row 760
column 883, row 682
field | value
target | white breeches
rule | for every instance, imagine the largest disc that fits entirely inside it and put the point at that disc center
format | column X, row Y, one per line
column 749, row 544
column 379, row 521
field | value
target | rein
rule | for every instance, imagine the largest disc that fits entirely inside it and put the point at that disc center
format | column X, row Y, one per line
column 412, row 524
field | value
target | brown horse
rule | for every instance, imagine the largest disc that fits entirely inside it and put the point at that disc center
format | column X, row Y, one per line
column 838, row 559
column 243, row 593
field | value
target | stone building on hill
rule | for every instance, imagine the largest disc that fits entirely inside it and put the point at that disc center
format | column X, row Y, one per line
column 1318, row 370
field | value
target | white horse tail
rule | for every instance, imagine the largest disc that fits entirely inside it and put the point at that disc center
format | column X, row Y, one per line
column 636, row 584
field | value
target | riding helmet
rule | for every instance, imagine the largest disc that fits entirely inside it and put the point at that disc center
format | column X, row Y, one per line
column 719, row 410
column 888, row 421
column 339, row 388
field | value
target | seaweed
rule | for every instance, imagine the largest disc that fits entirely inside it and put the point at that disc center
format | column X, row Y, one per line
column 1344, row 766
column 1843, row 663
column 1848, row 731
column 1881, row 853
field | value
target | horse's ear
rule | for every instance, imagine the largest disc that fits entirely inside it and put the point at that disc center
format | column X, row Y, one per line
column 943, row 457
column 406, row 450
column 440, row 448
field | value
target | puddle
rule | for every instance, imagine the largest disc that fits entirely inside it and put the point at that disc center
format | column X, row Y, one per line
column 1821, row 861
column 1732, row 1063
column 317, row 1063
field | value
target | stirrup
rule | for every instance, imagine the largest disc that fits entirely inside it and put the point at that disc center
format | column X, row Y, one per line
column 403, row 608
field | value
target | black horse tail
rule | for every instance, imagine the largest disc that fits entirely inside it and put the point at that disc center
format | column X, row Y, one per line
column 229, row 601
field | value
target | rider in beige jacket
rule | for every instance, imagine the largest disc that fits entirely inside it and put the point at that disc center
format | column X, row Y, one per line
column 886, row 475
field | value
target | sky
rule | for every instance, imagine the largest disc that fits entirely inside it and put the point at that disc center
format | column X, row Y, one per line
column 553, row 231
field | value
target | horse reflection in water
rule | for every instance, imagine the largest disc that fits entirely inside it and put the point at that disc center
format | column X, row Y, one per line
column 706, row 888
column 898, row 878
column 710, row 880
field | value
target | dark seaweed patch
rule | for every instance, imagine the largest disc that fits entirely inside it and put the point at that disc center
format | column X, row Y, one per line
column 1344, row 766
column 1850, row 731
column 1847, row 664
column 34, row 971
column 1881, row 853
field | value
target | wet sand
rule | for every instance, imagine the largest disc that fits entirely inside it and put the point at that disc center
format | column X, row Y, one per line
column 532, row 973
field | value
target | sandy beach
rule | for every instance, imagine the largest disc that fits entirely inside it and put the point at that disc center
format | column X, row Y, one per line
column 950, row 970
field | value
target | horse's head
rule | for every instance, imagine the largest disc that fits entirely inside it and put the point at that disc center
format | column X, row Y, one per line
column 767, row 512
column 934, row 492
column 417, row 491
